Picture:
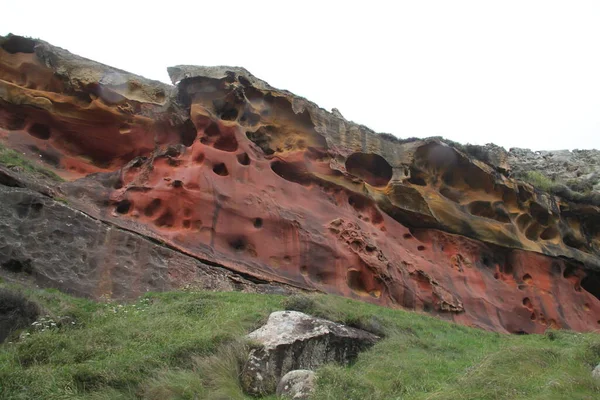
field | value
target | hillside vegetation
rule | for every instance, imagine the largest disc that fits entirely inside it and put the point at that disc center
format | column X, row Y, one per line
column 189, row 345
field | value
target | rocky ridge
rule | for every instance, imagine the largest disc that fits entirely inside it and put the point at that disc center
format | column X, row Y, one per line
column 225, row 171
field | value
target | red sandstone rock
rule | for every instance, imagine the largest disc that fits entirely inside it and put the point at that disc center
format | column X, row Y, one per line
column 227, row 169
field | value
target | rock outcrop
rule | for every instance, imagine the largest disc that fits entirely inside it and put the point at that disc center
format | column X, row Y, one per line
column 224, row 170
column 290, row 341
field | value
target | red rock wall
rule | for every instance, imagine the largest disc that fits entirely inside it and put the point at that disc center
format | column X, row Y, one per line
column 229, row 170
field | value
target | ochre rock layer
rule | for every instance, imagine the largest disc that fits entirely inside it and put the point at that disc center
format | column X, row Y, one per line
column 228, row 170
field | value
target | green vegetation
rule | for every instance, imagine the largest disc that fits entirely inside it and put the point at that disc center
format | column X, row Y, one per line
column 573, row 190
column 539, row 180
column 187, row 345
column 11, row 158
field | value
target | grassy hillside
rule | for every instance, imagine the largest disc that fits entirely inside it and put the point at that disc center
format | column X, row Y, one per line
column 187, row 345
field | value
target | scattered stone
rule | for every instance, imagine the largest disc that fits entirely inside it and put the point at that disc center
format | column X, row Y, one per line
column 596, row 372
column 292, row 340
column 298, row 384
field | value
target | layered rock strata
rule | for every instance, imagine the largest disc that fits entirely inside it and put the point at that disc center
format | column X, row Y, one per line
column 225, row 169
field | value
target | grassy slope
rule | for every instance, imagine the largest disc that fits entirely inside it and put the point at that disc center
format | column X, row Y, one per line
column 11, row 158
column 185, row 345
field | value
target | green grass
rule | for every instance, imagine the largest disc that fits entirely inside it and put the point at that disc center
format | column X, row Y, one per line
column 187, row 345
column 11, row 158
column 539, row 180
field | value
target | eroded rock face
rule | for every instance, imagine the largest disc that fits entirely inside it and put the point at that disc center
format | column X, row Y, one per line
column 225, row 169
column 292, row 340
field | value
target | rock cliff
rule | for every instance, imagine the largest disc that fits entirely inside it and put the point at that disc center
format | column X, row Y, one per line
column 221, row 171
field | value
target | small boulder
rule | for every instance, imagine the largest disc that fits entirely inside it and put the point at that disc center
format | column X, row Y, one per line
column 297, row 385
column 596, row 372
column 292, row 340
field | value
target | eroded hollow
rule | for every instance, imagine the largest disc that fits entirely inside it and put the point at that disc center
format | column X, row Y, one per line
column 220, row 169
column 39, row 131
column 243, row 159
column 123, row 207
column 488, row 210
column 291, row 172
column 226, row 143
column 225, row 110
column 372, row 168
column 355, row 281
column 591, row 283
column 188, row 133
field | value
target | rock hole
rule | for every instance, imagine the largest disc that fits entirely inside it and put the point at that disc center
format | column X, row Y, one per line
column 39, row 131
column 527, row 303
column 407, row 236
column 372, row 168
column 244, row 81
column 226, row 143
column 187, row 223
column 225, row 110
column 421, row 248
column 533, row 316
column 166, row 220
column 258, row 223
column 262, row 138
column 18, row 266
column 355, row 281
column 152, row 207
column 238, row 244
column 177, row 183
column 591, row 283
column 188, row 133
column 539, row 213
column 527, row 279
column 291, row 172
column 485, row 209
column 570, row 240
column 304, row 270
column 417, row 180
column 243, row 159
column 123, row 207
column 220, row 169
column 212, row 130
column 549, row 233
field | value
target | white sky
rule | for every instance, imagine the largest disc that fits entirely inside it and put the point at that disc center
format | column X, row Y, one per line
column 516, row 73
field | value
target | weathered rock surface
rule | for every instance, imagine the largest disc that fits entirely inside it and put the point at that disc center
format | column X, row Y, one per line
column 226, row 169
column 291, row 340
column 581, row 166
column 297, row 385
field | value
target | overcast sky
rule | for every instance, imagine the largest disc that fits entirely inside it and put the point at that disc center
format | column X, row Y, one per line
column 516, row 73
